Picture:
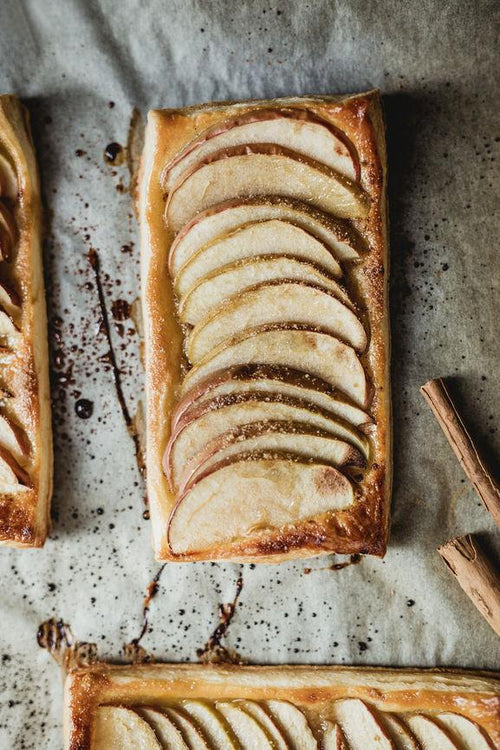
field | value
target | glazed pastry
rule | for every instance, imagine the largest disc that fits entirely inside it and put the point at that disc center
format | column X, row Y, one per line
column 264, row 289
column 25, row 415
column 200, row 707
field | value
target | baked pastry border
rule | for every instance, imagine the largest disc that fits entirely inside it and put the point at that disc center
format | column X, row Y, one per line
column 364, row 527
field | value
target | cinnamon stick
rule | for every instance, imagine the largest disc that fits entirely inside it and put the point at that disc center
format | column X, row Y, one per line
column 445, row 411
column 476, row 576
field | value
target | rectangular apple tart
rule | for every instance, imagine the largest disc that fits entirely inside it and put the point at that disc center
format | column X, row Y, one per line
column 202, row 707
column 25, row 413
column 264, row 289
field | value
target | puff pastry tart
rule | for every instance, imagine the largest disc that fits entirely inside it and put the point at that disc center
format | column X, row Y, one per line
column 25, row 416
column 197, row 707
column 264, row 286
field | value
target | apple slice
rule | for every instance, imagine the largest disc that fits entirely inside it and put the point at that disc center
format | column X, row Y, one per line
column 8, row 178
column 300, row 129
column 8, row 231
column 306, row 349
column 250, row 733
column 11, row 473
column 9, row 299
column 191, row 733
column 258, row 239
column 360, row 726
column 293, row 724
column 399, row 732
column 273, row 379
column 13, row 437
column 273, row 731
column 254, row 492
column 429, row 734
column 165, row 730
column 273, row 303
column 464, row 732
column 212, row 419
column 269, row 435
column 333, row 739
column 260, row 169
column 7, row 325
column 116, row 727
column 228, row 281
column 213, row 724
column 213, row 225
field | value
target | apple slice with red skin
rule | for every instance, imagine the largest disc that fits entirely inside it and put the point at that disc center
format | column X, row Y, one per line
column 302, row 348
column 212, row 225
column 11, row 473
column 13, row 437
column 333, row 739
column 400, row 734
column 271, row 238
column 274, row 379
column 270, row 435
column 254, row 492
column 464, row 732
column 300, row 129
column 277, row 302
column 231, row 280
column 429, row 734
column 360, row 726
column 214, row 418
column 260, row 169
column 117, row 727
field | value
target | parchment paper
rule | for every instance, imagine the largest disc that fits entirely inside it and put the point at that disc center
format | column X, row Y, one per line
column 437, row 65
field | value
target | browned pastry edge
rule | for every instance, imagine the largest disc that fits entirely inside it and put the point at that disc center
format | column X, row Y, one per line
column 364, row 527
column 25, row 516
column 473, row 694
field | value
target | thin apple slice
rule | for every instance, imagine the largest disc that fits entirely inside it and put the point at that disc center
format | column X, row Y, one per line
column 8, row 231
column 293, row 724
column 235, row 278
column 214, row 726
column 213, row 225
column 464, row 732
column 212, row 419
column 258, row 239
column 11, row 473
column 13, row 437
column 309, row 350
column 8, row 178
column 263, row 717
column 361, row 726
column 168, row 735
column 273, row 303
column 191, row 733
column 250, row 733
column 9, row 299
column 399, row 732
column 333, row 739
column 260, row 169
column 273, row 379
column 269, row 435
column 7, row 326
column 429, row 734
column 115, row 728
column 300, row 129
column 254, row 492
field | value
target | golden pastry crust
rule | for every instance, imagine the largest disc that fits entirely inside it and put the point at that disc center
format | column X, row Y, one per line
column 472, row 694
column 24, row 371
column 363, row 527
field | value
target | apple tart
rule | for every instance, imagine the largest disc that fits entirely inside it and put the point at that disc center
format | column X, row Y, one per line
column 202, row 707
column 25, row 413
column 264, row 289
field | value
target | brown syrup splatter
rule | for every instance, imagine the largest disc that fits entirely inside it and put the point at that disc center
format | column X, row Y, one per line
column 56, row 637
column 114, row 154
column 84, row 408
column 353, row 560
column 110, row 358
column 134, row 652
column 213, row 651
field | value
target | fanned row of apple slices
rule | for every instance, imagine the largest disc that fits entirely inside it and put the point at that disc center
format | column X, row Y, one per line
column 279, row 725
column 258, row 209
column 14, row 443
